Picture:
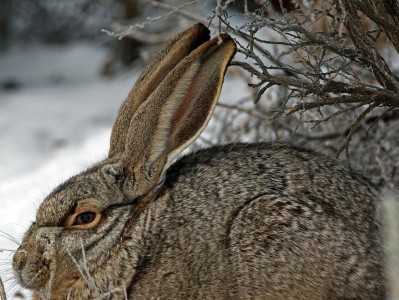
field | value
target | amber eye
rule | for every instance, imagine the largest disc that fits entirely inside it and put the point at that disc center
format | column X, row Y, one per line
column 85, row 215
column 84, row 218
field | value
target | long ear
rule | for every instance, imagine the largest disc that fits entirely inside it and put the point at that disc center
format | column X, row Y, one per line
column 166, row 59
column 176, row 112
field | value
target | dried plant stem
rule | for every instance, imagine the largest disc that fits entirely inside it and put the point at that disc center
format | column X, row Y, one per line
column 177, row 10
column 321, row 73
column 2, row 291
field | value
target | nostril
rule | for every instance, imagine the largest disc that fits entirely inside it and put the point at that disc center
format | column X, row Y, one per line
column 19, row 258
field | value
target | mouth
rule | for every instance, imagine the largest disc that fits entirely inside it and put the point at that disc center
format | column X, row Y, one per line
column 33, row 279
column 31, row 270
column 41, row 283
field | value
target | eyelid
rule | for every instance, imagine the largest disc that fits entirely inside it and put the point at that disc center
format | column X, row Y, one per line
column 85, row 206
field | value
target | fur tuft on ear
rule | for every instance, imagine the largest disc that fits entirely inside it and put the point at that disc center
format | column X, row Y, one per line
column 112, row 173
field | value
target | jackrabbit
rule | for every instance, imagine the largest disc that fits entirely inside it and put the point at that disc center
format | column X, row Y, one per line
column 239, row 221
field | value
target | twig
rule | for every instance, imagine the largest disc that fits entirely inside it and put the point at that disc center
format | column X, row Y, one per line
column 353, row 129
column 2, row 291
column 149, row 20
column 177, row 10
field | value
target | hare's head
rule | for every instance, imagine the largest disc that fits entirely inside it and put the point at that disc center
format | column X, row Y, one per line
column 87, row 226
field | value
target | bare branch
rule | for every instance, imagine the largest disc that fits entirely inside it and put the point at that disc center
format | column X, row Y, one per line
column 2, row 291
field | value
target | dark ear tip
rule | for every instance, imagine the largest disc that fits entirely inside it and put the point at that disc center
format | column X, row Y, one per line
column 226, row 37
column 201, row 28
column 201, row 32
column 222, row 41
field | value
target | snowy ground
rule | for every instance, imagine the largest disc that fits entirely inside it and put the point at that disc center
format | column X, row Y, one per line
column 56, row 123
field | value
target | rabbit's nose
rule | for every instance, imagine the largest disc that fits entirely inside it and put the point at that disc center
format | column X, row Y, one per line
column 20, row 257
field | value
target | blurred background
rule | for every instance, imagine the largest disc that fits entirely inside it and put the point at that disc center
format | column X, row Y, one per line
column 301, row 75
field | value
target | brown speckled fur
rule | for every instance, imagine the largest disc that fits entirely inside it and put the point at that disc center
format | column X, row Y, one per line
column 239, row 221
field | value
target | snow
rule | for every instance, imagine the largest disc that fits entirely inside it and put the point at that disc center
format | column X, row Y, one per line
column 57, row 123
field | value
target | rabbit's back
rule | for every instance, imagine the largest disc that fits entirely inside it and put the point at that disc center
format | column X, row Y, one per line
column 266, row 220
column 233, row 175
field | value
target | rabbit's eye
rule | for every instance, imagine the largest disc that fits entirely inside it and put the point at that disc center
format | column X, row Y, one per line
column 84, row 218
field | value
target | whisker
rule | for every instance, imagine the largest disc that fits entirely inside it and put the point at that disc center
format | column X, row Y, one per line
column 9, row 237
column 16, row 290
column 38, row 273
column 8, row 280
column 12, row 285
column 7, row 270
column 7, row 250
